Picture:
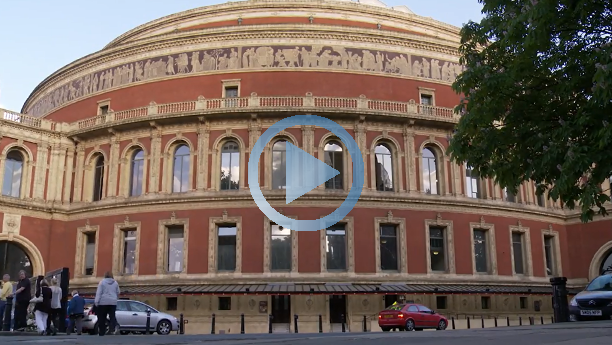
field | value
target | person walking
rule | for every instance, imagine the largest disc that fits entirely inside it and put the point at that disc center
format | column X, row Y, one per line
column 23, row 295
column 42, row 309
column 76, row 313
column 107, row 295
column 6, row 291
column 56, row 308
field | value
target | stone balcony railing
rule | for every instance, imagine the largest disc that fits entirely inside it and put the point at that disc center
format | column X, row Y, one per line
column 254, row 103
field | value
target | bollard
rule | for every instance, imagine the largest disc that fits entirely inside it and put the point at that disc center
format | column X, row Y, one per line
column 270, row 317
column 241, row 323
column 508, row 320
column 320, row 324
column 181, row 324
column 520, row 320
column 495, row 319
column 552, row 319
column 453, row 321
column 365, row 324
column 148, row 326
column 482, row 321
column 343, row 327
column 212, row 324
column 531, row 321
column 468, row 322
column 295, row 323
column 7, row 315
column 542, row 320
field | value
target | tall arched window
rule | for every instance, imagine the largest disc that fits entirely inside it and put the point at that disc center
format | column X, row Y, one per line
column 384, row 168
column 230, row 166
column 430, row 172
column 14, row 259
column 13, row 173
column 472, row 183
column 334, row 158
column 137, row 173
column 180, row 175
column 98, row 179
column 279, row 165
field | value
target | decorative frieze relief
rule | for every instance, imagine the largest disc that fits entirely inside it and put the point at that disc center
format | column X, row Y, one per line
column 257, row 57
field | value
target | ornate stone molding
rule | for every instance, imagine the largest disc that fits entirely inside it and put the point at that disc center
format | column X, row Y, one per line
column 213, row 237
column 81, row 249
column 558, row 262
column 349, row 228
column 400, row 224
column 119, row 246
column 162, row 244
column 449, row 243
column 525, row 248
column 491, row 246
column 267, row 248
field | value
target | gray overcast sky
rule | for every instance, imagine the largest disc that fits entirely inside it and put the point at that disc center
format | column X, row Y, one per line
column 39, row 37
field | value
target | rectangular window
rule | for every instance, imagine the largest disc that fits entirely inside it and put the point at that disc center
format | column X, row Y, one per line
column 480, row 251
column 426, row 99
column 388, row 248
column 523, row 302
column 280, row 248
column 437, row 250
column 226, row 248
column 90, row 253
column 485, row 302
column 472, row 183
column 171, row 303
column 335, row 247
column 517, row 250
column 103, row 109
column 225, row 303
column 175, row 247
column 231, row 93
column 440, row 302
column 129, row 251
column 549, row 255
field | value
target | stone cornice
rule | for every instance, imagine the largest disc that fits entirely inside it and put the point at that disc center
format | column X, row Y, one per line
column 337, row 7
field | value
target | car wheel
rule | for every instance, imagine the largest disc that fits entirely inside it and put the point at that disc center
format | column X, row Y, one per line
column 124, row 332
column 441, row 325
column 410, row 325
column 164, row 327
column 385, row 329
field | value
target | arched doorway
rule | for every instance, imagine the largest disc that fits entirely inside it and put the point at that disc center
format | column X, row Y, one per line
column 14, row 259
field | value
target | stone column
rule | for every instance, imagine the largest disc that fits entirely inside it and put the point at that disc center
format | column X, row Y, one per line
column 68, row 177
column 113, row 165
column 56, row 172
column 410, row 157
column 203, row 151
column 80, row 165
column 308, row 139
column 254, row 134
column 40, row 175
column 457, row 175
column 360, row 138
column 155, row 159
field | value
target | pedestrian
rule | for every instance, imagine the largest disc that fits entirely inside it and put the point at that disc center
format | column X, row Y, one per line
column 42, row 309
column 56, row 308
column 107, row 295
column 23, row 295
column 6, row 291
column 76, row 313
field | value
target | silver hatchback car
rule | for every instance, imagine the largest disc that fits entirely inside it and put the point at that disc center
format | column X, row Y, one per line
column 132, row 317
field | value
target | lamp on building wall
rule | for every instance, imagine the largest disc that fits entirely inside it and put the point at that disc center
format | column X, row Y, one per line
column 311, row 19
column 379, row 26
column 239, row 20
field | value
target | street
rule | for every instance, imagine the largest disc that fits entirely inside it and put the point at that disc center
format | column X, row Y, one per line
column 592, row 333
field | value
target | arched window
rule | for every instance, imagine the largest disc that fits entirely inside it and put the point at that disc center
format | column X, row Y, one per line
column 137, row 173
column 384, row 168
column 180, row 175
column 14, row 259
column 98, row 179
column 334, row 158
column 230, row 166
column 606, row 263
column 279, row 165
column 430, row 172
column 13, row 173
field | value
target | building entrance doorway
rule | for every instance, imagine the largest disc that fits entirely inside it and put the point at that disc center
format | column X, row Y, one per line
column 337, row 310
column 281, row 313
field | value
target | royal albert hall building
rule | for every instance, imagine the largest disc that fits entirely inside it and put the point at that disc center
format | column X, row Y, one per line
column 133, row 159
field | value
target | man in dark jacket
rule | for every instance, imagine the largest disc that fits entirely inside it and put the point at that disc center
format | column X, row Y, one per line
column 23, row 295
column 76, row 311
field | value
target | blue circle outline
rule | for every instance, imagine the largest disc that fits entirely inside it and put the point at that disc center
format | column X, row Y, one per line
column 310, row 224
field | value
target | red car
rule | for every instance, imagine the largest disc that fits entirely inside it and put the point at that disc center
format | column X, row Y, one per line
column 410, row 317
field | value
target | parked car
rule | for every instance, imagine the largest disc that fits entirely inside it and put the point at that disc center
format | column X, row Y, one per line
column 410, row 317
column 132, row 317
column 595, row 302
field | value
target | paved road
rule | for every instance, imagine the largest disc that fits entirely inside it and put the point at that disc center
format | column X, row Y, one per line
column 591, row 333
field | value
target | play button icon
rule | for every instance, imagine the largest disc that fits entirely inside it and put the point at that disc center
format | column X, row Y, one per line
column 304, row 172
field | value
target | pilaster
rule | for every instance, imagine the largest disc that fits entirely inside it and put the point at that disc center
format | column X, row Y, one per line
column 69, row 162
column 155, row 159
column 41, row 169
column 56, row 173
column 80, row 165
column 410, row 155
column 203, row 152
column 360, row 138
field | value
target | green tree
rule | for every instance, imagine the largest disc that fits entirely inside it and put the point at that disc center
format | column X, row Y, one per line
column 537, row 98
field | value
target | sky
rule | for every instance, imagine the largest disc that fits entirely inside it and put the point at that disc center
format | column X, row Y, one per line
column 41, row 36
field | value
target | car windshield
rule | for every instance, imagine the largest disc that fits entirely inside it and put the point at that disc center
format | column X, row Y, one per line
column 395, row 307
column 601, row 283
